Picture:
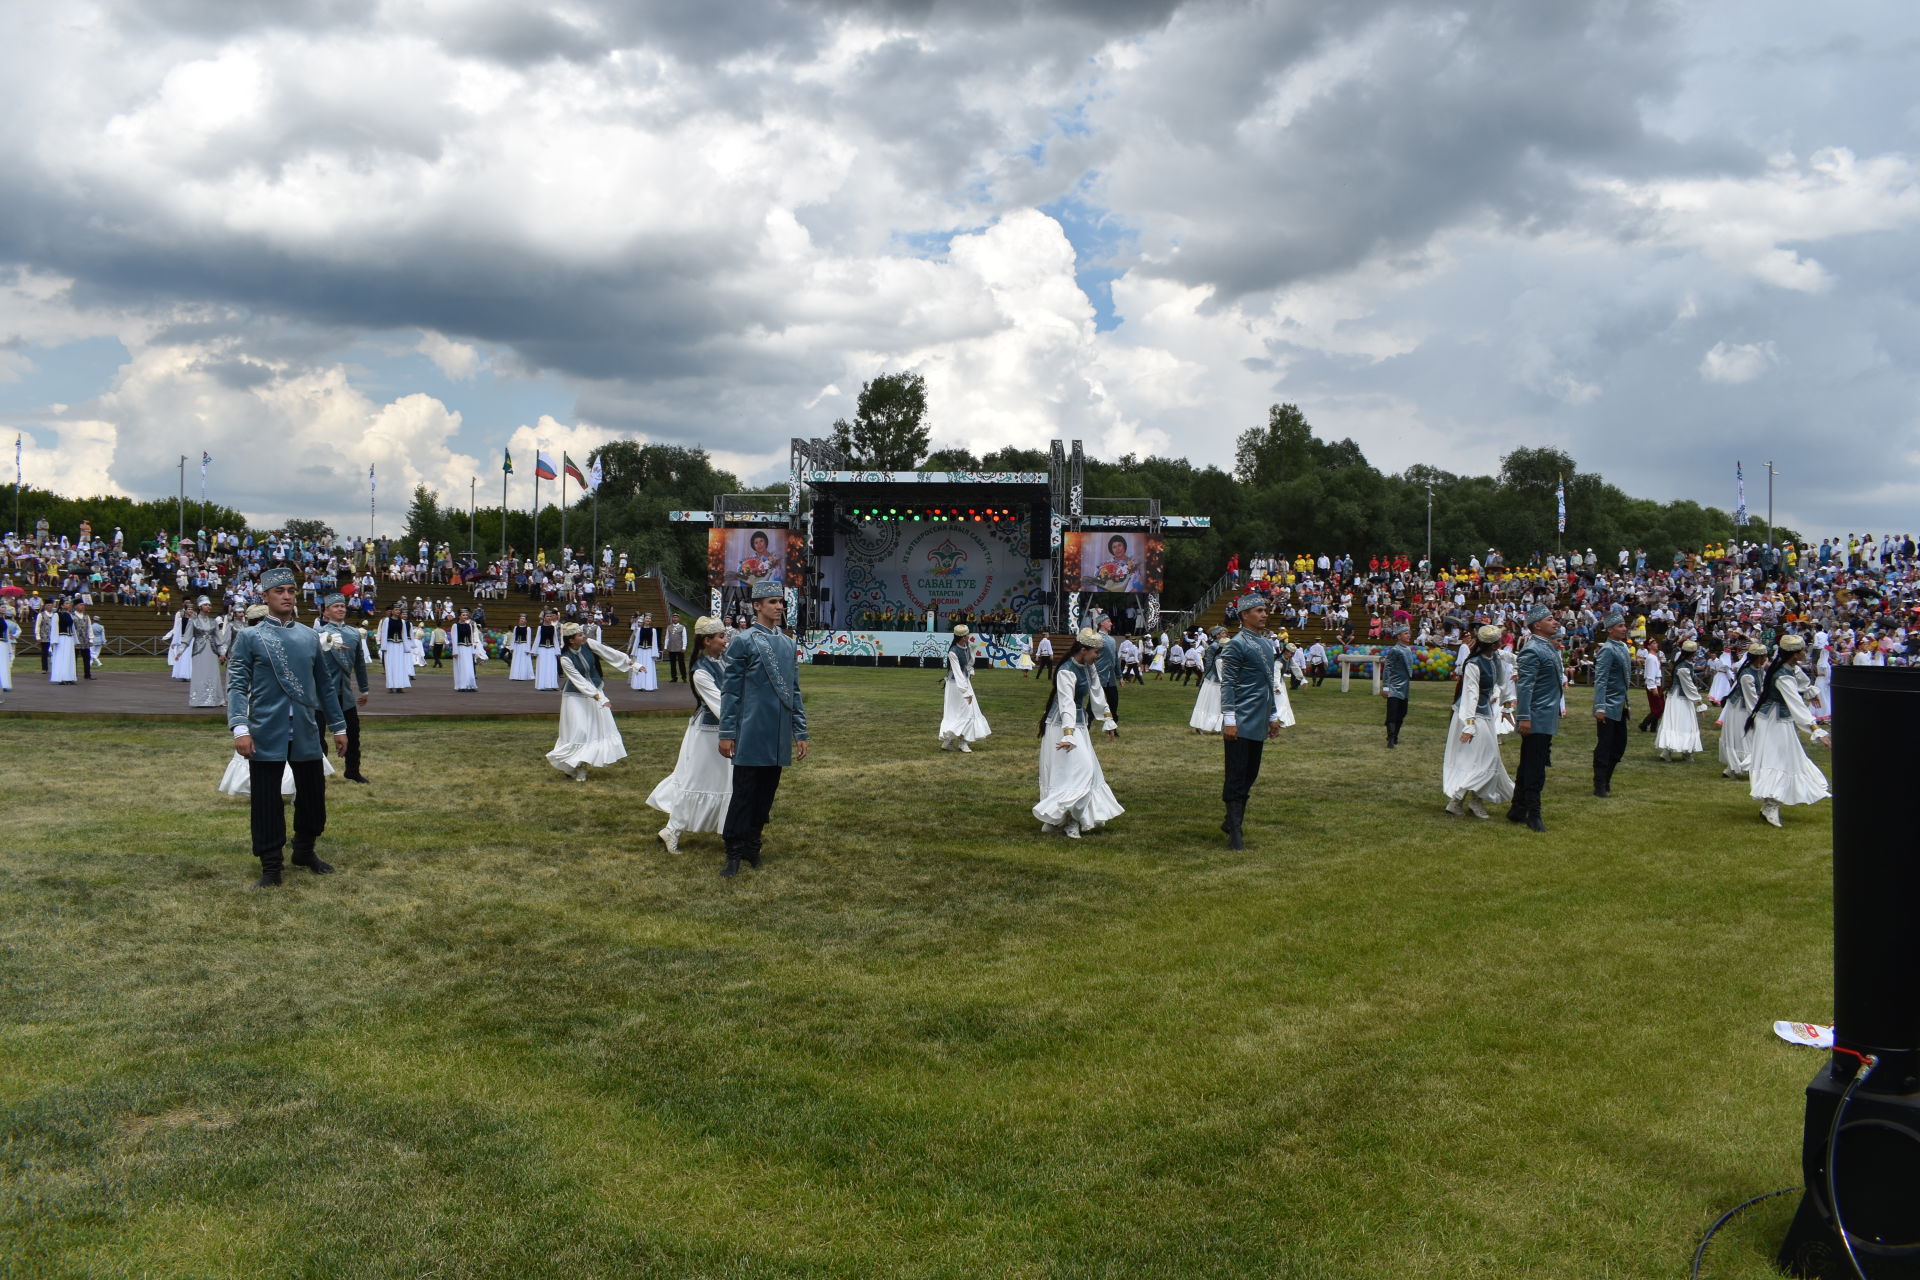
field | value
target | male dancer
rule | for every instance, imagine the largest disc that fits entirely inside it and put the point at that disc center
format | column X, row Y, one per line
column 1612, row 670
column 347, row 655
column 279, row 691
column 1248, row 711
column 1538, row 680
column 1107, row 667
column 1396, row 680
column 763, row 722
column 676, row 649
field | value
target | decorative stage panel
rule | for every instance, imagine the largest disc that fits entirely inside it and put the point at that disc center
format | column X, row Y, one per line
column 990, row 651
column 887, row 576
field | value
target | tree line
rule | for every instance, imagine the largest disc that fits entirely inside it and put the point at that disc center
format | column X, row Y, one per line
column 1288, row 492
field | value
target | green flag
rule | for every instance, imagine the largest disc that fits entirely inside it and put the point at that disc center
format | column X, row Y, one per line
column 508, row 465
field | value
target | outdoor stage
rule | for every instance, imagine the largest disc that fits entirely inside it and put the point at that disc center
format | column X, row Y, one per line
column 154, row 695
column 861, row 647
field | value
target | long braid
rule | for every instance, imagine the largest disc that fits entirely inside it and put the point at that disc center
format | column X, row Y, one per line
column 1767, row 683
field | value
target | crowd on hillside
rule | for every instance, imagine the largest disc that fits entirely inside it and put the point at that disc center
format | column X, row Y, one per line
column 170, row 574
column 1855, row 597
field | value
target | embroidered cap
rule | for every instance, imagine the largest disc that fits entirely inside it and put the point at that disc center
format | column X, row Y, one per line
column 1089, row 637
column 255, row 612
column 962, row 630
column 570, row 629
column 709, row 627
column 768, row 591
column 1756, row 650
column 1251, row 600
column 332, row 600
column 1614, row 619
column 1691, row 646
column 1487, row 634
column 1793, row 643
column 1539, row 613
column 277, row 577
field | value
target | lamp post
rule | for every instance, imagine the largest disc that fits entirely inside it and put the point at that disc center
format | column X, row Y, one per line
column 473, row 509
column 1770, row 474
column 1429, row 526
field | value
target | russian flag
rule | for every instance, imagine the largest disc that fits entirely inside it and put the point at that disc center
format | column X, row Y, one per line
column 543, row 466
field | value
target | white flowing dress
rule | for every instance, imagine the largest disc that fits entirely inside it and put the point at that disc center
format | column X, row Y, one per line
column 1777, row 766
column 696, row 794
column 1680, row 721
column 1475, row 767
column 8, row 630
column 646, row 658
column 60, row 660
column 588, row 734
column 179, row 651
column 1733, row 720
column 961, row 719
column 396, row 657
column 521, row 666
column 546, row 663
column 1206, row 704
column 1072, row 786
column 465, row 656
column 1723, row 669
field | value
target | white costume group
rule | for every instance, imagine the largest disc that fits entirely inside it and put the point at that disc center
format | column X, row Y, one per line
column 469, row 649
column 643, row 646
column 1778, row 770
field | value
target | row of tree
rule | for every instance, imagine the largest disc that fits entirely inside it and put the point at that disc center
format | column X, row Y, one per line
column 1289, row 492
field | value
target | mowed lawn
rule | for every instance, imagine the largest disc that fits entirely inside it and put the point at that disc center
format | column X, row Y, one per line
column 514, row 1037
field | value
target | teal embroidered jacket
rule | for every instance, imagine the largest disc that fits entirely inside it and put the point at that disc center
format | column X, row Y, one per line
column 281, row 687
column 761, row 709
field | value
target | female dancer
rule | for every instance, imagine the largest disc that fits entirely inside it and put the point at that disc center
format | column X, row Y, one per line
column 961, row 720
column 1778, row 768
column 588, row 735
column 1206, row 717
column 1074, row 795
column 1739, row 705
column 695, row 795
column 1679, row 735
column 1472, row 771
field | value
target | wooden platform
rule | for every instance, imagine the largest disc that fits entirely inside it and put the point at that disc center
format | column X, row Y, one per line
column 154, row 695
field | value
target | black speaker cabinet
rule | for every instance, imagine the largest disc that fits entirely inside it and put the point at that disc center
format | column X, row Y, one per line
column 1877, row 1184
column 889, row 660
column 823, row 530
column 1876, row 994
column 1040, row 532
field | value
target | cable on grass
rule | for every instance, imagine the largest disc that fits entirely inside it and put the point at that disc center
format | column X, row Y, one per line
column 1868, row 1062
column 1700, row 1254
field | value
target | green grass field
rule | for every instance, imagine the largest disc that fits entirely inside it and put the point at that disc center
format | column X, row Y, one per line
column 514, row 1037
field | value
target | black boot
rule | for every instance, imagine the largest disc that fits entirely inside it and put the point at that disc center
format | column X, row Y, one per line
column 1236, row 815
column 1533, row 814
column 732, row 868
column 308, row 859
column 1517, row 811
column 1602, row 780
column 751, row 854
column 269, row 871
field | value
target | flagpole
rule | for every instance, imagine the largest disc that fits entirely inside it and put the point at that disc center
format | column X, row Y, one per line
column 563, row 499
column 473, row 510
column 504, row 473
column 536, row 501
column 17, row 473
column 183, row 497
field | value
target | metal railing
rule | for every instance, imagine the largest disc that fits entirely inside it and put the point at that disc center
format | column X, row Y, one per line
column 1213, row 593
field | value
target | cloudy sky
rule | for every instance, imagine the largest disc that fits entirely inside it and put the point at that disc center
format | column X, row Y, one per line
column 307, row 236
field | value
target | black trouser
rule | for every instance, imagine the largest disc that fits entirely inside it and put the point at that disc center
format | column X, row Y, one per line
column 1042, row 667
column 1396, row 716
column 353, row 736
column 676, row 665
column 1243, row 769
column 1113, row 700
column 269, row 813
column 754, row 786
column 46, row 653
column 1609, row 745
column 84, row 652
column 1536, row 754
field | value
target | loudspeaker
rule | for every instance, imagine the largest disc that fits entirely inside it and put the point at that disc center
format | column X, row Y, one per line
column 1875, row 1157
column 823, row 530
column 821, row 592
column 1040, row 532
column 889, row 660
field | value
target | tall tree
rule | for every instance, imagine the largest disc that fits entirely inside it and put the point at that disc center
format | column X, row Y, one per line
column 889, row 428
column 423, row 515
